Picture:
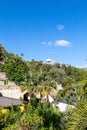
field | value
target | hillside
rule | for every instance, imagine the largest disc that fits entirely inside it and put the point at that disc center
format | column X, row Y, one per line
column 63, row 84
column 37, row 76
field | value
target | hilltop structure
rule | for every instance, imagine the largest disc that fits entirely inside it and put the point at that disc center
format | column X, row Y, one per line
column 49, row 61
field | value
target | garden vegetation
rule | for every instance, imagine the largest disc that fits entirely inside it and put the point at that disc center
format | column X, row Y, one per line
column 36, row 76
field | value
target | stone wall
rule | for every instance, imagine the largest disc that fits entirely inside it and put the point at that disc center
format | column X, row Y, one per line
column 5, row 84
column 12, row 93
column 2, row 76
column 9, row 85
column 8, row 88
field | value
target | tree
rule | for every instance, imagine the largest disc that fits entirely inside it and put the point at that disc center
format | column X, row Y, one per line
column 3, row 53
column 15, row 69
column 78, row 117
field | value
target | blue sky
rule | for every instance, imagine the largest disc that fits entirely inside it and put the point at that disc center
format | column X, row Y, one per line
column 42, row 29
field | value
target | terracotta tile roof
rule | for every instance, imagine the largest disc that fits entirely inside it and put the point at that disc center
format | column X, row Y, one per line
column 6, row 102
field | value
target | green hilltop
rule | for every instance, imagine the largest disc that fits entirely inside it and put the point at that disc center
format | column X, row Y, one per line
column 65, row 83
column 36, row 75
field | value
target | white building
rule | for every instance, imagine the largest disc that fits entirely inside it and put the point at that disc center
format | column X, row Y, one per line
column 49, row 61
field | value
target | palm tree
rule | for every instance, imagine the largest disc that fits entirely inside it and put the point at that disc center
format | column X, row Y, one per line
column 78, row 117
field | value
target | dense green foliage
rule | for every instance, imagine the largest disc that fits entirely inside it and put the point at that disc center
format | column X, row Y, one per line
column 36, row 76
column 77, row 119
column 3, row 53
column 31, row 118
column 15, row 68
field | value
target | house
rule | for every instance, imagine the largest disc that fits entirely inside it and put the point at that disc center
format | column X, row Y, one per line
column 49, row 61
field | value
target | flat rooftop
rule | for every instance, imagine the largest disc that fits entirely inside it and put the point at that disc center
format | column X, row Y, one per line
column 6, row 102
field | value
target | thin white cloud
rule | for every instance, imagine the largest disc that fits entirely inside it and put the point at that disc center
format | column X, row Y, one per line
column 62, row 43
column 47, row 43
column 60, row 27
column 44, row 43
